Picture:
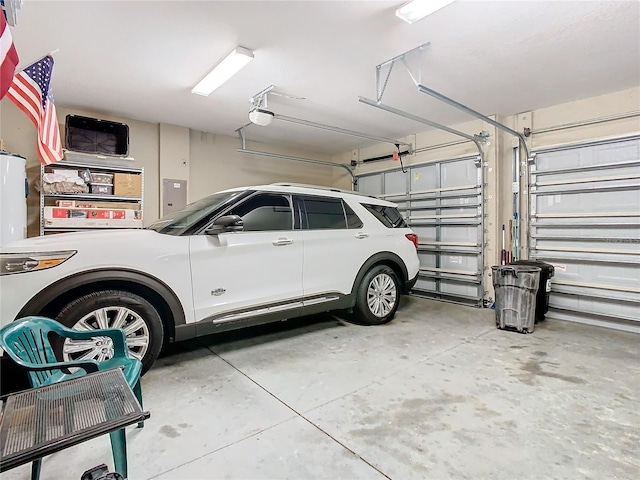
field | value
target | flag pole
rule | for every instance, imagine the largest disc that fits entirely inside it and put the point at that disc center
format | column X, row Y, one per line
column 38, row 59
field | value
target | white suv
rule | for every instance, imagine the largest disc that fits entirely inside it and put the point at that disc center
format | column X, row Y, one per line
column 236, row 258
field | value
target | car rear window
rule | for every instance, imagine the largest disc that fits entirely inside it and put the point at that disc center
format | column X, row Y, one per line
column 323, row 213
column 389, row 216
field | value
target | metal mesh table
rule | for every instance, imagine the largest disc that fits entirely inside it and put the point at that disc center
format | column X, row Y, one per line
column 45, row 420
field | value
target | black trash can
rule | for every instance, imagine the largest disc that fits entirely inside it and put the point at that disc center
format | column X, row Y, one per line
column 542, row 297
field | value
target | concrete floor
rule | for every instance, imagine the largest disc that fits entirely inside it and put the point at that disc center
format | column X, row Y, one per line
column 437, row 393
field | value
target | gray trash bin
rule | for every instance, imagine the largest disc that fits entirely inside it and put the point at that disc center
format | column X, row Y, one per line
column 516, row 287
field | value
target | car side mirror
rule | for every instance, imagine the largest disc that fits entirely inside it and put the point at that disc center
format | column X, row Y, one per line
column 224, row 224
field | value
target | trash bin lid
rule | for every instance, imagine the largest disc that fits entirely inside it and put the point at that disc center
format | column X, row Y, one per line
column 550, row 269
column 516, row 268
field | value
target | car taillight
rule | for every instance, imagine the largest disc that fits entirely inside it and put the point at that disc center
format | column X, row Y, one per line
column 413, row 238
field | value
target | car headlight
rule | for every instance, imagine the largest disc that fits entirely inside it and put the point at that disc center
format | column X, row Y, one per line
column 11, row 263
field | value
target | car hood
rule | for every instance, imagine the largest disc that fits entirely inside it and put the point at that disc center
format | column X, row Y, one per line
column 76, row 240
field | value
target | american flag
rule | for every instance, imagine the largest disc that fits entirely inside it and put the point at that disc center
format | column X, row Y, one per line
column 31, row 92
column 8, row 56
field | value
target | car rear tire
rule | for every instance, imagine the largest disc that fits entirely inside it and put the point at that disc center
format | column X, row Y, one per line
column 378, row 296
column 112, row 309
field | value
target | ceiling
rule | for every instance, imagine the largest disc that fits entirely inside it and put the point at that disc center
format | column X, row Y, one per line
column 140, row 59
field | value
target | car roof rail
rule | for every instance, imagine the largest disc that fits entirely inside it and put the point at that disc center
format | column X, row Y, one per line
column 320, row 187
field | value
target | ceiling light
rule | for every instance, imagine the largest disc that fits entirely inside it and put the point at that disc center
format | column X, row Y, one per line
column 417, row 9
column 223, row 71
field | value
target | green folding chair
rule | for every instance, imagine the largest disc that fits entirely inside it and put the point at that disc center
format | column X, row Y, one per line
column 28, row 344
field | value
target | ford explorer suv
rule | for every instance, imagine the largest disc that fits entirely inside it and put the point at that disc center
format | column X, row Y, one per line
column 237, row 258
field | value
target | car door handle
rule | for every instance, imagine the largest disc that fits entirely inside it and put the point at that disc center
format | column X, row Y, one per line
column 282, row 241
column 362, row 235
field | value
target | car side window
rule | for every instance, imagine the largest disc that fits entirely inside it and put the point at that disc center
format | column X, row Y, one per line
column 353, row 221
column 325, row 213
column 265, row 212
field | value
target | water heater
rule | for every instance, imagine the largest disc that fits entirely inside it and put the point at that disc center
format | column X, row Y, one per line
column 13, row 198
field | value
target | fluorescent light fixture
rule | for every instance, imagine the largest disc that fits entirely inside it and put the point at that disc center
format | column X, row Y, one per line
column 417, row 9
column 223, row 71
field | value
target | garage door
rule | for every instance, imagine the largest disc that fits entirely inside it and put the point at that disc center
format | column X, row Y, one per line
column 585, row 219
column 442, row 203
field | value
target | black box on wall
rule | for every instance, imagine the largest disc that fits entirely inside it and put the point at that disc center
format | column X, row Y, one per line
column 96, row 136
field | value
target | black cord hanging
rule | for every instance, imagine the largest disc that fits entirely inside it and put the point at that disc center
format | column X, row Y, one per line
column 400, row 158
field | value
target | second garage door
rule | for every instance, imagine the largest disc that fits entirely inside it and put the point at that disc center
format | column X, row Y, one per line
column 585, row 219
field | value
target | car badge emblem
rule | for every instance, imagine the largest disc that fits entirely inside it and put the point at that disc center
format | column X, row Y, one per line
column 218, row 291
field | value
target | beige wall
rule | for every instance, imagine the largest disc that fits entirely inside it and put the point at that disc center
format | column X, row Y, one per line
column 498, row 156
column 173, row 156
column 208, row 162
column 20, row 137
column 216, row 165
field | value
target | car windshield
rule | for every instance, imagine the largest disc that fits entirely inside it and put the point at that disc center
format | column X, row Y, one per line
column 177, row 222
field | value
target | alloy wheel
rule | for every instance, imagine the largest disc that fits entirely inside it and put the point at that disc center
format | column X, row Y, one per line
column 381, row 295
column 101, row 348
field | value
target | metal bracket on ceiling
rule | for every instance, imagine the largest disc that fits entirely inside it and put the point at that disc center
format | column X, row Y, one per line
column 417, row 80
column 259, row 100
column 404, row 59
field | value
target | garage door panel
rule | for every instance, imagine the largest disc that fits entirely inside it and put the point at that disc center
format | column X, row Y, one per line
column 588, row 203
column 585, row 219
column 625, row 277
column 443, row 203
column 423, row 203
column 588, row 155
column 425, row 234
column 612, row 234
column 460, row 233
column 458, row 289
column 457, row 174
column 395, row 182
column 427, row 260
column 423, row 178
column 371, row 185
column 603, row 245
column 461, row 201
column 584, row 176
column 425, row 284
column 467, row 263
column 593, row 306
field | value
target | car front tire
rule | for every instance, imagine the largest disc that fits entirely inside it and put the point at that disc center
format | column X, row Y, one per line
column 378, row 296
column 112, row 309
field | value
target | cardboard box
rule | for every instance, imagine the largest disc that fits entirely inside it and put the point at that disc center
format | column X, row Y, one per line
column 108, row 205
column 65, row 172
column 65, row 203
column 55, row 217
column 91, row 223
column 127, row 184
column 51, row 213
